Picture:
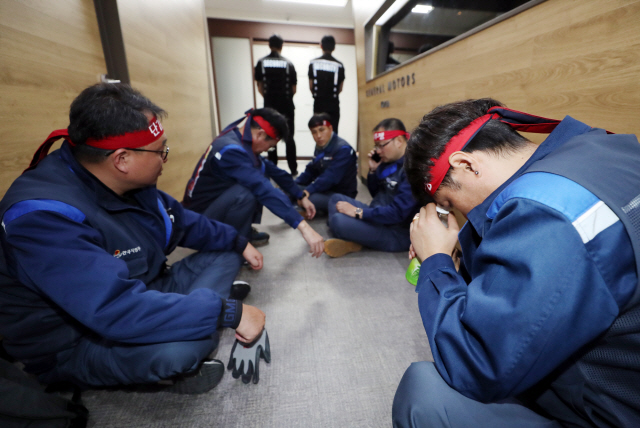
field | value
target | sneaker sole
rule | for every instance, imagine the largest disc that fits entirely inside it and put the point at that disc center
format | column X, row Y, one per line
column 338, row 247
column 203, row 380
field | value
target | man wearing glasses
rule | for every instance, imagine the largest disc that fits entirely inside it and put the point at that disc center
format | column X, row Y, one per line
column 231, row 183
column 86, row 294
column 384, row 224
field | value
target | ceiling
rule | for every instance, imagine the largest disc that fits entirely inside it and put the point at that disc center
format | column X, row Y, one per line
column 281, row 12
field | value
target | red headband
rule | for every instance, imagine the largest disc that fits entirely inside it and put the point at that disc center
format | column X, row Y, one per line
column 323, row 123
column 131, row 140
column 266, row 126
column 387, row 135
column 517, row 120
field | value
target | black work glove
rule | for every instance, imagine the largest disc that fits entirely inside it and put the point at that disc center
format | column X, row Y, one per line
column 245, row 358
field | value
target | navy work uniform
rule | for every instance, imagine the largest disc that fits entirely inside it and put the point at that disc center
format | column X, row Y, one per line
column 327, row 75
column 332, row 170
column 385, row 222
column 278, row 76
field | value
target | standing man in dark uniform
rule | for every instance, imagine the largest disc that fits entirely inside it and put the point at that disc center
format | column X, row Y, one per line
column 326, row 77
column 276, row 79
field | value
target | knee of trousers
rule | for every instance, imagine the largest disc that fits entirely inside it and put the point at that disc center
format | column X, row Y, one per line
column 244, row 196
column 335, row 198
column 174, row 358
column 338, row 223
column 420, row 397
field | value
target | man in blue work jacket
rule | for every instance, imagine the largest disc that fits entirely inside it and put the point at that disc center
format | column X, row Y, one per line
column 382, row 225
column 86, row 295
column 231, row 181
column 541, row 325
column 333, row 167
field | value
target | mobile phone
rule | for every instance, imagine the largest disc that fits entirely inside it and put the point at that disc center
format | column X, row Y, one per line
column 375, row 157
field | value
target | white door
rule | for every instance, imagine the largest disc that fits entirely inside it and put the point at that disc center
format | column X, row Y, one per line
column 233, row 77
column 300, row 55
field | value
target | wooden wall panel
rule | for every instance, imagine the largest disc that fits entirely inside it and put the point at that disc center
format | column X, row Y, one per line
column 49, row 52
column 165, row 45
column 561, row 57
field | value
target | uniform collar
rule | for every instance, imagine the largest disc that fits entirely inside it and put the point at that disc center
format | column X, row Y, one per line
column 568, row 128
column 247, row 145
column 105, row 197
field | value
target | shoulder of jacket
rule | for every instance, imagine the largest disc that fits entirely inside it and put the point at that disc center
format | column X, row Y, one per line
column 552, row 190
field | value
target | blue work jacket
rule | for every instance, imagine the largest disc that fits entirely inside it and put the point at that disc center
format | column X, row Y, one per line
column 76, row 257
column 393, row 203
column 550, row 269
column 229, row 160
column 333, row 169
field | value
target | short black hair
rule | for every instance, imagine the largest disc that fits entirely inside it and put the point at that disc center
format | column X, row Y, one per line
column 390, row 124
column 436, row 128
column 328, row 43
column 276, row 42
column 275, row 119
column 318, row 118
column 106, row 110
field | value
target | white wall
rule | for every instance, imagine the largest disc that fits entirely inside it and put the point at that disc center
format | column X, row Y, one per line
column 300, row 55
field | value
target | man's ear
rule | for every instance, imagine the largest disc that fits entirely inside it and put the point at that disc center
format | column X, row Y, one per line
column 463, row 162
column 120, row 160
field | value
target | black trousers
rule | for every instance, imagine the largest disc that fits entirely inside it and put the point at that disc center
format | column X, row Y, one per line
column 292, row 159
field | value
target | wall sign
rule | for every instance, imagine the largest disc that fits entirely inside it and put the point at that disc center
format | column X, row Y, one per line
column 392, row 85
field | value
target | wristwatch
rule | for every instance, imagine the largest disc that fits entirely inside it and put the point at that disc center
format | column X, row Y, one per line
column 358, row 213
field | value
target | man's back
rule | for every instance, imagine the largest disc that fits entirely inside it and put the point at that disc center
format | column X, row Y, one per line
column 278, row 76
column 327, row 75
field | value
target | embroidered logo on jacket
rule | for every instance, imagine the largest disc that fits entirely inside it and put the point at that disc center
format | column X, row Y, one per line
column 118, row 254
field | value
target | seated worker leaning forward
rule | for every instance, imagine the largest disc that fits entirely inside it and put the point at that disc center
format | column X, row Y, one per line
column 540, row 327
column 384, row 224
column 231, row 181
column 333, row 168
column 85, row 291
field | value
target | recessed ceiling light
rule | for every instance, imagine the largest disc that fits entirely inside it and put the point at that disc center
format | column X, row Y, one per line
column 422, row 8
column 339, row 3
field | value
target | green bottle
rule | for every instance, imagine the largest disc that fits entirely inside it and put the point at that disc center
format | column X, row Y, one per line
column 413, row 271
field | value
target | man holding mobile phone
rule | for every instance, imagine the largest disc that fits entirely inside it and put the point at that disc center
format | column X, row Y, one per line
column 384, row 224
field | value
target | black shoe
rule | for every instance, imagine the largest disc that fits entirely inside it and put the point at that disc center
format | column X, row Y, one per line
column 239, row 290
column 204, row 379
column 258, row 239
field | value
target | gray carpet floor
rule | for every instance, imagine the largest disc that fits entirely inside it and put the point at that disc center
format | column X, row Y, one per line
column 342, row 333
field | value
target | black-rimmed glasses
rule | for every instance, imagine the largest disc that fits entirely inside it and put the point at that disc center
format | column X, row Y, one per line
column 163, row 153
column 382, row 146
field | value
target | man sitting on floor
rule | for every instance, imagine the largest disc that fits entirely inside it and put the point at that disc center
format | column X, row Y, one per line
column 231, row 181
column 333, row 168
column 540, row 326
column 85, row 290
column 384, row 224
